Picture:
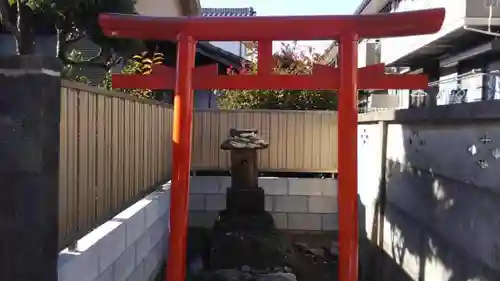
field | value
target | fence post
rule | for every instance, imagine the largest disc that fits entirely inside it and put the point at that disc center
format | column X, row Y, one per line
column 30, row 90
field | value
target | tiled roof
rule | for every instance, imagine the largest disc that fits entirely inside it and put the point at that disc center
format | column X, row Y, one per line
column 228, row 12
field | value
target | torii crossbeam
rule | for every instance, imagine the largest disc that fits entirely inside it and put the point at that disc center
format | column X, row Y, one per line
column 347, row 78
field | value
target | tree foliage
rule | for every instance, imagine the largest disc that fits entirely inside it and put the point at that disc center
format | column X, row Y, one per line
column 72, row 20
column 133, row 67
column 288, row 61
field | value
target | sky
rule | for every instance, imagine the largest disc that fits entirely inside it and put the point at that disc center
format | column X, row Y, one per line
column 291, row 7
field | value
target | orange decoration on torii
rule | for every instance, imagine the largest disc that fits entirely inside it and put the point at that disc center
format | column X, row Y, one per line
column 347, row 79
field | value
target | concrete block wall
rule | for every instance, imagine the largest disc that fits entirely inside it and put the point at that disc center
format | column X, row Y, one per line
column 295, row 203
column 442, row 213
column 129, row 247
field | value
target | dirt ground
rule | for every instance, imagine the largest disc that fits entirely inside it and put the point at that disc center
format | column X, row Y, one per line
column 308, row 254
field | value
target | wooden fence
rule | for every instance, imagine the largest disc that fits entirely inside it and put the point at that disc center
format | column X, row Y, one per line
column 300, row 141
column 113, row 150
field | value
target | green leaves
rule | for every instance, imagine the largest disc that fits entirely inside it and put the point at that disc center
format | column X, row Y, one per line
column 33, row 4
column 83, row 15
column 73, row 19
column 289, row 61
column 36, row 4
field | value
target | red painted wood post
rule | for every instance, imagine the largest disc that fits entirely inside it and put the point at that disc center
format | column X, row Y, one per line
column 183, row 122
column 347, row 158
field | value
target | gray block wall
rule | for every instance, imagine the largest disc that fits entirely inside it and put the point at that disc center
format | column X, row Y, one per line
column 441, row 218
column 296, row 204
column 132, row 246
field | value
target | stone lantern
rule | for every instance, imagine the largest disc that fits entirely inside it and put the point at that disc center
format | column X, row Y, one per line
column 244, row 233
column 244, row 196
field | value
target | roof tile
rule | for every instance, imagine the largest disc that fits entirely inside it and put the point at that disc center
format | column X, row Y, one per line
column 228, row 12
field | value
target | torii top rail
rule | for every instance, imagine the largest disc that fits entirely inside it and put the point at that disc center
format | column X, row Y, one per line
column 347, row 29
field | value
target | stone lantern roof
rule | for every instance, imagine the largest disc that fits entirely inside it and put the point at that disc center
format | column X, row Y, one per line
column 244, row 139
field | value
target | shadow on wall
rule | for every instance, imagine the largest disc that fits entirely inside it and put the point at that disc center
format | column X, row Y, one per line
column 373, row 259
column 432, row 225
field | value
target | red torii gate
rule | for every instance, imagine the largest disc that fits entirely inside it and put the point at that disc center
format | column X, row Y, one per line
column 347, row 78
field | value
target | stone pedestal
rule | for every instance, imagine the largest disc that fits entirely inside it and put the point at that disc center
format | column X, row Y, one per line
column 30, row 90
column 245, row 200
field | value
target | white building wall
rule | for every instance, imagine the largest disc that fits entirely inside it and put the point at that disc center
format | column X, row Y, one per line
column 397, row 47
column 159, row 8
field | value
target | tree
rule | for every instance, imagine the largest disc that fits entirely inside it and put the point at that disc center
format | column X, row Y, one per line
column 140, row 64
column 72, row 20
column 71, row 27
column 289, row 61
column 131, row 67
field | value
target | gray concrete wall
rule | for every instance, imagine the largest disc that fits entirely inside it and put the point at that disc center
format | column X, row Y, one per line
column 296, row 204
column 132, row 246
column 440, row 191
